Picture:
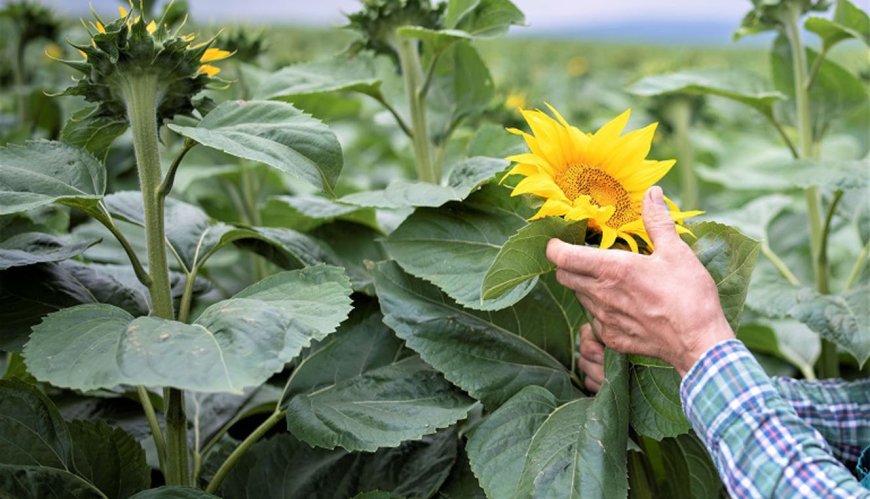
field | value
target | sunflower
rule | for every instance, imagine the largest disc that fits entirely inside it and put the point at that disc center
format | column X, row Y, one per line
column 598, row 177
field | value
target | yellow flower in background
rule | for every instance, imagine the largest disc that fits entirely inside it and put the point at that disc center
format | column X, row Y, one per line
column 53, row 51
column 598, row 177
column 515, row 101
column 577, row 66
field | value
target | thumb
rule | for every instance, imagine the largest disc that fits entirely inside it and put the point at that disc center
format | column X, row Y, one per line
column 658, row 222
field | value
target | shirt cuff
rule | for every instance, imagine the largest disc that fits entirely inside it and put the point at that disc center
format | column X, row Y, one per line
column 724, row 383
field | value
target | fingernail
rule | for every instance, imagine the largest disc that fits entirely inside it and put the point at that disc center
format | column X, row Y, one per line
column 597, row 358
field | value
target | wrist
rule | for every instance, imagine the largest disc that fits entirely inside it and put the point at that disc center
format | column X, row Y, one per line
column 704, row 341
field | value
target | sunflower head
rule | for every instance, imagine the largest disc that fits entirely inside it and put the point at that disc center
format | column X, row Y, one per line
column 378, row 20
column 599, row 177
column 246, row 45
column 767, row 15
column 131, row 50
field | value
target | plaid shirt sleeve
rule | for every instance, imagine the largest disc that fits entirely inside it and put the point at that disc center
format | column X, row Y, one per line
column 760, row 445
column 839, row 410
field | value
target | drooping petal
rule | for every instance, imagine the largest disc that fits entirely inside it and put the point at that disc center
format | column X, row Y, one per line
column 608, row 237
column 213, row 54
column 540, row 185
column 552, row 208
column 209, row 70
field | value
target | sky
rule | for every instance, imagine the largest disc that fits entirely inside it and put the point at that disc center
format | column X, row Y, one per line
column 540, row 14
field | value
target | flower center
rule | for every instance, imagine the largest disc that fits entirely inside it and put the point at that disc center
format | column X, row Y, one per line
column 580, row 180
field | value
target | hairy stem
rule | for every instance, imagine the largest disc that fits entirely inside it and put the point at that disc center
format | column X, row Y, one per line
column 413, row 75
column 140, row 96
column 827, row 365
column 242, row 449
column 680, row 117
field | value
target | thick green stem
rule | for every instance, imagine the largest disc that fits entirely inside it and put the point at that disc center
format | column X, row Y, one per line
column 828, row 365
column 242, row 448
column 858, row 267
column 156, row 432
column 681, row 117
column 412, row 72
column 140, row 96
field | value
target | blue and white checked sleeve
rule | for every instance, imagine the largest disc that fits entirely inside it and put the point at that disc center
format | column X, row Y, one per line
column 760, row 445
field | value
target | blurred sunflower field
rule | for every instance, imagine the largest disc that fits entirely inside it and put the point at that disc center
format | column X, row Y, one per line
column 294, row 262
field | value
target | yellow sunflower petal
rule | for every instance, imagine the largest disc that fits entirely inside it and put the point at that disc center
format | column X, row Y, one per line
column 152, row 27
column 100, row 27
column 209, row 69
column 608, row 237
column 607, row 134
column 552, row 208
column 122, row 11
column 523, row 169
column 532, row 159
column 632, row 149
column 647, row 174
column 214, row 54
column 632, row 244
column 540, row 185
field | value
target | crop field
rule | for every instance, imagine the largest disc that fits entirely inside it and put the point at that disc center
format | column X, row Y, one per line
column 295, row 262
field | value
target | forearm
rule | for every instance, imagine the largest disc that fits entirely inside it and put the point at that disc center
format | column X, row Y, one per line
column 759, row 444
column 837, row 409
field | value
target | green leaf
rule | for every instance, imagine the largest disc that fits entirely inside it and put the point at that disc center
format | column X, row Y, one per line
column 438, row 40
column 835, row 92
column 173, row 492
column 415, row 469
column 356, row 248
column 29, row 293
column 729, row 257
column 534, row 447
column 233, row 344
column 469, row 236
column 483, row 18
column 656, row 409
column 35, row 247
column 461, row 88
column 461, row 484
column 338, row 397
column 843, row 318
column 685, row 457
column 490, row 355
column 849, row 21
column 754, row 217
column 466, row 177
column 32, row 432
column 274, row 133
column 30, row 482
column 306, row 212
column 734, row 84
column 94, row 133
column 789, row 340
column 523, row 256
column 498, row 446
column 42, row 172
column 494, row 141
column 109, row 458
column 336, row 74
column 791, row 174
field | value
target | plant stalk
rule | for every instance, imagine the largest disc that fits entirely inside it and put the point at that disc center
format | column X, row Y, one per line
column 20, row 81
column 140, row 96
column 227, row 465
column 156, row 432
column 828, row 365
column 858, row 267
column 412, row 72
column 680, row 117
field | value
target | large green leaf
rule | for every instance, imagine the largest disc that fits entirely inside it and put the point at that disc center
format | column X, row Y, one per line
column 94, row 133
column 30, row 482
column 274, row 133
column 233, row 344
column 338, row 397
column 467, row 176
column 685, row 457
column 173, row 492
column 109, row 458
column 534, row 447
column 415, row 469
column 849, row 21
column 453, row 247
column 306, row 212
column 333, row 75
column 42, row 172
column 523, row 256
column 356, row 248
column 734, row 84
column 27, row 294
column 729, row 257
column 791, row 174
column 490, row 355
column 32, row 432
column 483, row 18
column 36, row 247
column 656, row 410
column 462, row 88
column 785, row 339
column 835, row 93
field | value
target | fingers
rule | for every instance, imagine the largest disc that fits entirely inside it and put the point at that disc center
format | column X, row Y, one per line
column 581, row 260
column 658, row 222
column 591, row 360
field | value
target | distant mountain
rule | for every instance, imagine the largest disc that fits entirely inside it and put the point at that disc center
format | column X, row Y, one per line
column 663, row 32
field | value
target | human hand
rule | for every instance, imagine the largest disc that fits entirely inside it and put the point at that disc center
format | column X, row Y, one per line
column 663, row 305
column 591, row 360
